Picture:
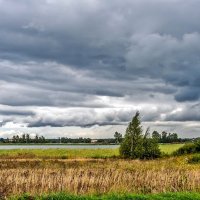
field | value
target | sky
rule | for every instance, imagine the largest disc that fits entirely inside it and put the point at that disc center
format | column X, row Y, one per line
column 83, row 68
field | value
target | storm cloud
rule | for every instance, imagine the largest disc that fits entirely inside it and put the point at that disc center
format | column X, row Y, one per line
column 83, row 63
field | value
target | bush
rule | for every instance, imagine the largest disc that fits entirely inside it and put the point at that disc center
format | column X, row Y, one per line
column 151, row 149
column 189, row 148
column 186, row 149
column 197, row 145
column 195, row 159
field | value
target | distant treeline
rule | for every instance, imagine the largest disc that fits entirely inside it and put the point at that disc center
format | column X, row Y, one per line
column 26, row 138
column 163, row 137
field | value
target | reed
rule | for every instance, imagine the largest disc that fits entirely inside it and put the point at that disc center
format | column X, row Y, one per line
column 37, row 177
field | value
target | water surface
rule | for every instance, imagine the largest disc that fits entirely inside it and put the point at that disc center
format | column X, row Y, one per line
column 59, row 146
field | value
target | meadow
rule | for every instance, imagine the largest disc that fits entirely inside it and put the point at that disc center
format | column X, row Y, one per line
column 74, row 153
column 95, row 174
column 98, row 176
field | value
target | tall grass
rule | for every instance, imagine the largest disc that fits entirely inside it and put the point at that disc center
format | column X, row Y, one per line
column 45, row 171
column 98, row 176
column 100, row 181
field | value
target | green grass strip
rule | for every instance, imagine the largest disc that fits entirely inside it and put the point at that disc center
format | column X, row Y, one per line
column 63, row 196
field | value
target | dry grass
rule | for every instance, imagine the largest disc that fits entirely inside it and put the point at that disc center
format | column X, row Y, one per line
column 98, row 176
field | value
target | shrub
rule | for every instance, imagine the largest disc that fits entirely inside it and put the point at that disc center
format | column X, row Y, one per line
column 189, row 148
column 151, row 149
column 194, row 159
column 186, row 149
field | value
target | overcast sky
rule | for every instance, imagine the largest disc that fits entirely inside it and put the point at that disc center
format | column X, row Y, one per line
column 83, row 67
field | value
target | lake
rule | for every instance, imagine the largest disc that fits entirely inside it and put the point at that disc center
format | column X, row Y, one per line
column 59, row 146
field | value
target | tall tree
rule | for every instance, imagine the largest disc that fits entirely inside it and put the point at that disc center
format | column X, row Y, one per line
column 164, row 136
column 156, row 136
column 137, row 145
column 14, row 139
column 27, row 138
column 23, row 138
column 132, row 144
column 36, row 138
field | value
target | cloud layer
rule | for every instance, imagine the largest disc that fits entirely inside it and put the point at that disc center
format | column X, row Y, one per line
column 83, row 63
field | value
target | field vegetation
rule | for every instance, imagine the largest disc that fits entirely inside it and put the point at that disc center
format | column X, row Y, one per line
column 74, row 153
column 64, row 196
column 98, row 176
column 59, row 153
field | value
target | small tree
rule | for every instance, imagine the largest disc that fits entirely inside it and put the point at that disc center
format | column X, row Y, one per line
column 156, row 136
column 132, row 146
column 118, row 137
column 151, row 147
column 137, row 145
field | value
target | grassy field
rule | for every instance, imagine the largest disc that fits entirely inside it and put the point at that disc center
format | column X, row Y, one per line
column 79, row 172
column 73, row 153
column 170, row 148
column 98, row 176
column 59, row 153
column 63, row 196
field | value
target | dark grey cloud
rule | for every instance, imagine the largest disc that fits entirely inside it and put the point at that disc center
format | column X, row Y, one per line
column 188, row 94
column 16, row 112
column 187, row 113
column 86, row 55
column 84, row 118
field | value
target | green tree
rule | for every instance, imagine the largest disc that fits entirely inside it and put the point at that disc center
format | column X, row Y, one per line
column 118, row 137
column 132, row 145
column 17, row 138
column 23, row 138
column 173, row 137
column 137, row 145
column 36, row 138
column 14, row 139
column 151, row 146
column 27, row 138
column 164, row 136
column 156, row 136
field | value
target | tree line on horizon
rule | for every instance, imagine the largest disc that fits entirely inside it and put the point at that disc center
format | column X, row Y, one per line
column 163, row 137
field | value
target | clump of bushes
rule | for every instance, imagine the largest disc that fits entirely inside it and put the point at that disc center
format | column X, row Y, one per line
column 189, row 148
column 194, row 160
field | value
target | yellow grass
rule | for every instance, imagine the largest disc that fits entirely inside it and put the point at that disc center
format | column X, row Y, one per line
column 45, row 171
column 98, row 176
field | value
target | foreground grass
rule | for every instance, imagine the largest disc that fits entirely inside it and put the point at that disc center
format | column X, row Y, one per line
column 79, row 172
column 62, row 196
column 98, row 176
column 74, row 153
